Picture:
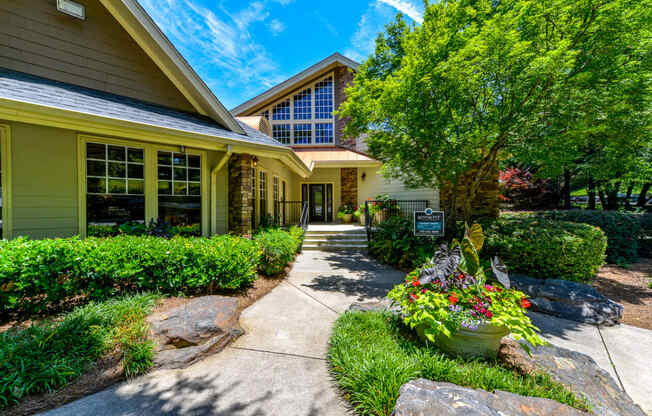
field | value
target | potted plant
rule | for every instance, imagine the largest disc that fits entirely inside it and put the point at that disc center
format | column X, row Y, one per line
column 449, row 301
column 359, row 214
column 345, row 213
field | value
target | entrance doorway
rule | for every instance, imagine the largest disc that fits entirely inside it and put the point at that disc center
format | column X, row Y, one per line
column 320, row 201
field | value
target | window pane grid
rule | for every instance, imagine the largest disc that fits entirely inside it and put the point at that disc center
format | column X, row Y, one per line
column 324, row 133
column 113, row 174
column 179, row 174
column 281, row 111
column 303, row 105
column 302, row 133
column 324, row 99
column 281, row 132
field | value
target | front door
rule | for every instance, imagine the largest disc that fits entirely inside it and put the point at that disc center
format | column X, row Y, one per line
column 317, row 203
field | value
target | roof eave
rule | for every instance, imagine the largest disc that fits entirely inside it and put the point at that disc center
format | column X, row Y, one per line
column 135, row 20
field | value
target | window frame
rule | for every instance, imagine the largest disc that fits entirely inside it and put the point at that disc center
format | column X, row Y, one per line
column 268, row 111
column 150, row 176
column 7, row 207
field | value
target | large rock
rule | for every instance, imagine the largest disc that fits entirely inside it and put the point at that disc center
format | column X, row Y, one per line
column 193, row 330
column 423, row 397
column 569, row 300
column 578, row 372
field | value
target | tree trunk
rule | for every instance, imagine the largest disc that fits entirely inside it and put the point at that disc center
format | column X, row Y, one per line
column 566, row 190
column 612, row 197
column 642, row 197
column 591, row 193
column 603, row 199
column 628, row 195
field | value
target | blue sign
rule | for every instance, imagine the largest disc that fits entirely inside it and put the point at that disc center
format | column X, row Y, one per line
column 429, row 223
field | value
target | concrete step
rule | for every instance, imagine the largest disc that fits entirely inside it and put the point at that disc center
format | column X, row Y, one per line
column 337, row 237
column 333, row 232
column 325, row 243
column 356, row 248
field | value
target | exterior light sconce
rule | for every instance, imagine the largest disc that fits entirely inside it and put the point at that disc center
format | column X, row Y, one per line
column 254, row 161
column 182, row 149
column 364, row 176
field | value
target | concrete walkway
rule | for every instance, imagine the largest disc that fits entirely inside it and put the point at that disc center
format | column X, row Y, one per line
column 278, row 367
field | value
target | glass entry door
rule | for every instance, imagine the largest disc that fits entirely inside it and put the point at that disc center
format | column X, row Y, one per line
column 317, row 203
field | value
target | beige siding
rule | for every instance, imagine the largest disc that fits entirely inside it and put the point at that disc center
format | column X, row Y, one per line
column 96, row 53
column 44, row 175
column 375, row 184
column 221, row 189
column 273, row 168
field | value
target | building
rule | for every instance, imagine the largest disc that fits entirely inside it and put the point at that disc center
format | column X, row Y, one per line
column 103, row 121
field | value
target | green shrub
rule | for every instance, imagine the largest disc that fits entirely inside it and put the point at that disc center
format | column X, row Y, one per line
column 645, row 243
column 393, row 242
column 158, row 228
column 36, row 274
column 623, row 230
column 371, row 358
column 49, row 355
column 546, row 248
column 277, row 250
column 297, row 235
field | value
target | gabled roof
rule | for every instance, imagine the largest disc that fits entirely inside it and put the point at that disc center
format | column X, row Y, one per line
column 151, row 39
column 291, row 83
column 30, row 89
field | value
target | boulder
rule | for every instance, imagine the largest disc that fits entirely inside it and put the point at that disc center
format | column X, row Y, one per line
column 578, row 372
column 383, row 305
column 189, row 332
column 423, row 397
column 569, row 300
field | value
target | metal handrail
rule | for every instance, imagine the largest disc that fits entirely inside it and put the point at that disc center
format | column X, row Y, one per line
column 305, row 218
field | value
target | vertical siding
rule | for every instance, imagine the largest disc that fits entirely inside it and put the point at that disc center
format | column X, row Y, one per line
column 221, row 189
column 44, row 181
column 375, row 184
column 96, row 53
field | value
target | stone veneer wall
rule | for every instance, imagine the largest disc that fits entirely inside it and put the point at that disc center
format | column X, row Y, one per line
column 349, row 194
column 486, row 203
column 343, row 77
column 240, row 198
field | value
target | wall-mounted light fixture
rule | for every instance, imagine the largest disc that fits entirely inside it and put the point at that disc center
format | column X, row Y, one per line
column 254, row 161
column 182, row 149
column 72, row 8
column 364, row 176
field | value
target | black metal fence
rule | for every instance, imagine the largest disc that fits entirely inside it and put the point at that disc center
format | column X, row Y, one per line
column 380, row 210
column 291, row 213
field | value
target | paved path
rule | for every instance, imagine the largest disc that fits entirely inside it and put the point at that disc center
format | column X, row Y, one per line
column 278, row 367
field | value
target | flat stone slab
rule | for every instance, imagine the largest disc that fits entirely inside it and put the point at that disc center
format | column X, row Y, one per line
column 569, row 300
column 424, row 397
column 187, row 333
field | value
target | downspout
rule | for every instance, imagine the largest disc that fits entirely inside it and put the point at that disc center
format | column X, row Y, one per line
column 216, row 169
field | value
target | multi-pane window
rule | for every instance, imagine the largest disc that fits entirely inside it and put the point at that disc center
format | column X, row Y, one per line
column 324, row 99
column 115, row 184
column 179, row 188
column 281, row 132
column 324, row 133
column 303, row 105
column 263, row 193
column 302, row 133
column 281, row 111
column 275, row 195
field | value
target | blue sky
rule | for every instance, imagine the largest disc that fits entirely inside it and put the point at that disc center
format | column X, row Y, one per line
column 243, row 47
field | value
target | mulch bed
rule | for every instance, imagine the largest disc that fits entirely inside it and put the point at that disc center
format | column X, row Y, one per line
column 108, row 370
column 629, row 287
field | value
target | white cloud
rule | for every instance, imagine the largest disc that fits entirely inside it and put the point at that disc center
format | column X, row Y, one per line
column 276, row 27
column 406, row 7
column 219, row 46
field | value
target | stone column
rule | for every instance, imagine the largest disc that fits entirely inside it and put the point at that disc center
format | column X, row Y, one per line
column 349, row 193
column 240, row 208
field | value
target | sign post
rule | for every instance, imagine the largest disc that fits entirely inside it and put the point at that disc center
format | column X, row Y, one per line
column 429, row 223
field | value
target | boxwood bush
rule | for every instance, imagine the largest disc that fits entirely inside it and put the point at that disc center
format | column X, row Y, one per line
column 624, row 230
column 34, row 274
column 546, row 248
column 393, row 242
column 278, row 248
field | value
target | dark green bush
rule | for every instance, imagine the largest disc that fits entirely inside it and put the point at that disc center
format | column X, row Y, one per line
column 36, row 274
column 157, row 228
column 297, row 235
column 277, row 250
column 645, row 243
column 546, row 248
column 393, row 242
column 623, row 230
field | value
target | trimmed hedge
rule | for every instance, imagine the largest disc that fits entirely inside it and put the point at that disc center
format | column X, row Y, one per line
column 545, row 248
column 624, row 230
column 393, row 242
column 36, row 273
column 278, row 248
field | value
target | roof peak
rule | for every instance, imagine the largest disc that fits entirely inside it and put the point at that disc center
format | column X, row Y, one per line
column 296, row 79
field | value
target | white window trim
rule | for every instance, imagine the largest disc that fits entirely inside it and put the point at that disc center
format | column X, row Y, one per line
column 312, row 121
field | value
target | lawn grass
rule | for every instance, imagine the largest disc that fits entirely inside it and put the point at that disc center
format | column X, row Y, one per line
column 49, row 355
column 371, row 358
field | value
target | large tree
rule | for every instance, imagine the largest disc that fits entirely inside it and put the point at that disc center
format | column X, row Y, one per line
column 481, row 80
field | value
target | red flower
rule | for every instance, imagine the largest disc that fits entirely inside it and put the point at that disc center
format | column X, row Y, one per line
column 525, row 303
column 453, row 299
column 416, row 283
column 489, row 314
